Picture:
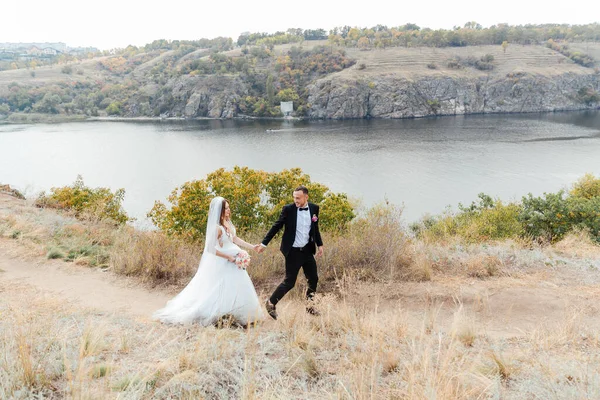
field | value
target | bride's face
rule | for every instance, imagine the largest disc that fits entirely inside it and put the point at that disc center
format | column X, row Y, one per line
column 227, row 211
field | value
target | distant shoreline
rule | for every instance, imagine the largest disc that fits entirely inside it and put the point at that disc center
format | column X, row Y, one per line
column 55, row 119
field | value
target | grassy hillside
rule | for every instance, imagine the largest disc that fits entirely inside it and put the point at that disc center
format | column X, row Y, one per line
column 161, row 78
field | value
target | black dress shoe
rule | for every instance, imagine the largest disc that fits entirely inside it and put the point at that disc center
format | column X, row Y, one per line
column 312, row 311
column 271, row 309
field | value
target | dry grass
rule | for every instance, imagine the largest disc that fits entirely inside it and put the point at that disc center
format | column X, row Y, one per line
column 154, row 258
column 412, row 62
column 577, row 244
column 483, row 265
column 357, row 349
column 345, row 353
column 52, row 74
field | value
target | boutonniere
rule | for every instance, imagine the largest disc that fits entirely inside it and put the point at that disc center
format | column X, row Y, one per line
column 314, row 218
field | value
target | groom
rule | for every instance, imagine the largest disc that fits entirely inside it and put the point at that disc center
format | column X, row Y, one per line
column 301, row 241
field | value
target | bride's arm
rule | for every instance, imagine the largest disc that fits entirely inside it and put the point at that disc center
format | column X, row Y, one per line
column 242, row 243
column 225, row 256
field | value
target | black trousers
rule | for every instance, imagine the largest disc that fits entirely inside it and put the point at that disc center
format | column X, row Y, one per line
column 295, row 260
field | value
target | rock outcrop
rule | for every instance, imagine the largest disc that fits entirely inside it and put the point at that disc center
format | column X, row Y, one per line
column 336, row 97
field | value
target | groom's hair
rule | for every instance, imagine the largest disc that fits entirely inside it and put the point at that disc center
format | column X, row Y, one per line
column 301, row 188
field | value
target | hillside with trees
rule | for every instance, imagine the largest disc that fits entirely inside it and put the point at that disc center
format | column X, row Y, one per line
column 348, row 72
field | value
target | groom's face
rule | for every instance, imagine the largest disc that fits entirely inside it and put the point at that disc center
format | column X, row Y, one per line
column 300, row 198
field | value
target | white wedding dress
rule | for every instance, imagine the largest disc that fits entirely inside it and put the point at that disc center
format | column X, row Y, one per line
column 219, row 287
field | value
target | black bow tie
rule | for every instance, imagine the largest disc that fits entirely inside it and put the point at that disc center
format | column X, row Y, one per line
column 303, row 209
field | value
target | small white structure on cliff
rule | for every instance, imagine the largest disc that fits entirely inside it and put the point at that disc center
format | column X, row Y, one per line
column 287, row 107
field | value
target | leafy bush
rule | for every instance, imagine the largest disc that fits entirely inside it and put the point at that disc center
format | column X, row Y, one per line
column 488, row 219
column 483, row 64
column 544, row 216
column 256, row 198
column 99, row 203
column 548, row 217
column 553, row 215
column 586, row 187
column 454, row 64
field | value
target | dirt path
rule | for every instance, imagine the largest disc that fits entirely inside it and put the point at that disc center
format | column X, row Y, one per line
column 85, row 286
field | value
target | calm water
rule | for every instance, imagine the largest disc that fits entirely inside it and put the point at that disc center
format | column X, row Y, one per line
column 425, row 164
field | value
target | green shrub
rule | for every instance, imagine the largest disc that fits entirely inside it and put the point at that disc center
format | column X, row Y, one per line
column 553, row 215
column 488, row 219
column 586, row 187
column 545, row 216
column 256, row 198
column 584, row 214
column 548, row 217
column 99, row 203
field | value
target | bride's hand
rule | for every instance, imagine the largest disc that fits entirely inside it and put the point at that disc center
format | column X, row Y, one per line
column 231, row 259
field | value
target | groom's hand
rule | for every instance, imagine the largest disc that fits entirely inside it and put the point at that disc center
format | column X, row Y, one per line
column 258, row 248
column 320, row 251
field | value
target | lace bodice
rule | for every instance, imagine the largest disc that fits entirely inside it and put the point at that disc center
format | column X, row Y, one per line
column 225, row 242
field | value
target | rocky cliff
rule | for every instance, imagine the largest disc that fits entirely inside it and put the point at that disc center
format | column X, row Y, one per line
column 387, row 96
column 337, row 97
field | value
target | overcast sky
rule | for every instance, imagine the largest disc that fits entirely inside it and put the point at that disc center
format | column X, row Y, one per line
column 120, row 23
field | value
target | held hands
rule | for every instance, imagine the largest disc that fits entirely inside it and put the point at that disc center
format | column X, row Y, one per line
column 259, row 248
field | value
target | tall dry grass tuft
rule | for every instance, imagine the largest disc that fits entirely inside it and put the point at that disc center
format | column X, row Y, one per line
column 546, row 337
column 154, row 257
column 579, row 244
column 375, row 247
column 483, row 265
column 436, row 366
column 463, row 327
column 421, row 268
column 28, row 377
column 500, row 366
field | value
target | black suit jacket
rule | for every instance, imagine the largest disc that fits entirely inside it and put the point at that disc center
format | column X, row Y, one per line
column 288, row 220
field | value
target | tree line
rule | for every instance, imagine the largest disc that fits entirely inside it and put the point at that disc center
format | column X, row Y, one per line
column 412, row 35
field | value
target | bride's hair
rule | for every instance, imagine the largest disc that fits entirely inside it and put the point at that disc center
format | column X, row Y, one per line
column 222, row 216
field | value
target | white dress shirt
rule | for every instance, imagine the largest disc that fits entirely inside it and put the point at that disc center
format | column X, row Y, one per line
column 303, row 223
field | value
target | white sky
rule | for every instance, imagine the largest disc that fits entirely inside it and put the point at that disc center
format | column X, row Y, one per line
column 120, row 23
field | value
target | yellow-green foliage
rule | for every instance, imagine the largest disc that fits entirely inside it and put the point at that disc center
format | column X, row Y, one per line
column 499, row 222
column 99, row 203
column 256, row 198
column 488, row 220
column 586, row 187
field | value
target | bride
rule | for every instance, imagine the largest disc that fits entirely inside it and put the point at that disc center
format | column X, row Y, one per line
column 219, row 287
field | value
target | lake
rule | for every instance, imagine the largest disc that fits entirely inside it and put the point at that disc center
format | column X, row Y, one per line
column 424, row 164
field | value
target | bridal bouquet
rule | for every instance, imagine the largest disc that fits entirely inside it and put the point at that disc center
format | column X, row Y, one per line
column 242, row 260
